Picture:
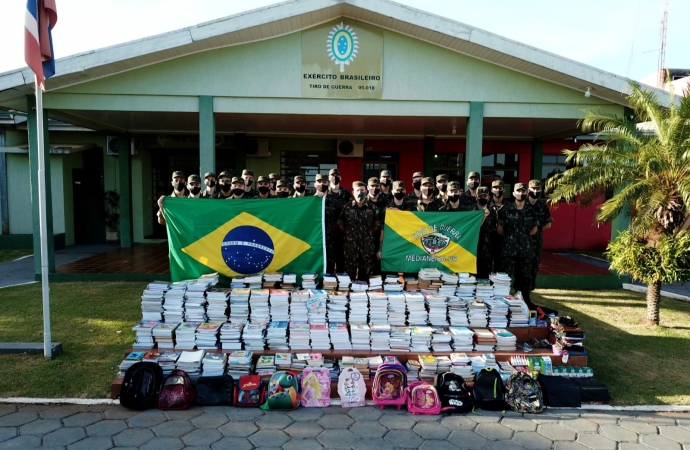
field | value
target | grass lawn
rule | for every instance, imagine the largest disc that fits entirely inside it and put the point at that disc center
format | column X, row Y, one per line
column 93, row 321
column 10, row 254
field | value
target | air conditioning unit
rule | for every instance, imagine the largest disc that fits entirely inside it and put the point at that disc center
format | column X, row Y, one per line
column 113, row 148
column 351, row 148
column 258, row 148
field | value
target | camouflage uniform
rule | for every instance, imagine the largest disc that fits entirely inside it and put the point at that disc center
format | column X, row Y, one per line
column 379, row 205
column 251, row 193
column 387, row 196
column 205, row 193
column 236, row 180
column 335, row 258
column 497, row 239
column 433, row 205
column 412, row 197
column 543, row 216
column 486, row 233
column 359, row 247
column 218, row 194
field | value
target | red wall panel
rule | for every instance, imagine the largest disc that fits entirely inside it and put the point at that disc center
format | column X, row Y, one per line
column 350, row 170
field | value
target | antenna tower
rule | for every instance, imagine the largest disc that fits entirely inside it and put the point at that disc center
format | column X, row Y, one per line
column 662, row 49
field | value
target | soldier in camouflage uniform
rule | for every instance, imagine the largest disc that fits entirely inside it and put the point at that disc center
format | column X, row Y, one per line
column 377, row 201
column 442, row 187
column 264, row 187
column 238, row 189
column 386, row 184
column 320, row 185
column 428, row 202
column 416, row 194
column 496, row 204
column 399, row 200
column 210, row 182
column 454, row 201
column 359, row 221
column 273, row 180
column 469, row 197
column 179, row 190
column 194, row 186
column 488, row 228
column 336, row 197
column 282, row 189
column 224, row 186
column 300, row 186
column 248, row 178
column 545, row 220
column 517, row 222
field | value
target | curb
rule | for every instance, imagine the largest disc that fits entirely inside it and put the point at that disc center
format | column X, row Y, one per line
column 643, row 289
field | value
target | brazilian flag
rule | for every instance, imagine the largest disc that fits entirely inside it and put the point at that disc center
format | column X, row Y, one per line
column 241, row 237
column 443, row 240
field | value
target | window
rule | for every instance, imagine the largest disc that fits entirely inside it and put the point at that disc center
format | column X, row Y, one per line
column 375, row 162
column 294, row 162
column 500, row 166
column 552, row 165
column 451, row 164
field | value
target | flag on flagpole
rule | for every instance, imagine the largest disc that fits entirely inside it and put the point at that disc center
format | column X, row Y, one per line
column 40, row 18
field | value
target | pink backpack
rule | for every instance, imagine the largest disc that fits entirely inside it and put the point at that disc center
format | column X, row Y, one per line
column 351, row 388
column 389, row 386
column 422, row 398
column 316, row 387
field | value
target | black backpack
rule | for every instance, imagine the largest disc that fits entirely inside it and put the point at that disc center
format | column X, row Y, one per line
column 489, row 393
column 453, row 392
column 215, row 391
column 141, row 386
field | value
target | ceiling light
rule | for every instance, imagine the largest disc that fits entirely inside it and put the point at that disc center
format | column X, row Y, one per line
column 588, row 92
column 454, row 131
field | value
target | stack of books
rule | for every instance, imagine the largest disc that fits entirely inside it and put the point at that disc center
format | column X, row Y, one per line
column 477, row 314
column 518, row 311
column 437, row 305
column 129, row 361
column 168, row 361
column 289, row 280
column 375, row 283
column 276, row 336
column 217, row 304
column 378, row 307
column 237, row 283
column 466, row 286
column 272, row 279
column 444, row 364
column 380, row 337
column 164, row 335
column 318, row 332
column 151, row 357
column 429, row 366
column 298, row 306
column 280, row 305
column 239, row 304
column 375, row 362
column 501, row 283
column 490, row 361
column 330, row 281
column 337, row 306
column 484, row 289
column 400, row 338
column 343, row 281
column 393, row 283
column 214, row 364
column 441, row 340
column 254, row 281
column 258, row 306
column 505, row 340
column 230, row 336
column 207, row 335
column 316, row 306
column 461, row 366
column 463, row 339
column 477, row 363
column 362, row 364
column 144, row 338
column 185, row 336
column 152, row 301
column 484, row 340
column 360, row 336
column 239, row 363
column 359, row 286
column 254, row 335
column 498, row 313
column 190, row 362
column 265, row 367
column 411, row 284
column 173, row 306
column 397, row 309
column 457, row 311
column 416, row 310
column 283, row 361
column 309, row 280
column 429, row 279
column 359, row 308
column 421, row 338
column 413, row 368
column 340, row 338
column 299, row 336
column 450, row 282
column 195, row 303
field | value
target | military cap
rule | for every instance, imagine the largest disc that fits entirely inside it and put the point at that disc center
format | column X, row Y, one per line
column 454, row 185
column 535, row 183
column 356, row 184
column 398, row 185
column 520, row 186
column 320, row 176
column 194, row 179
column 482, row 190
column 300, row 178
column 418, row 175
column 263, row 178
column 225, row 174
column 209, row 174
column 274, row 176
column 426, row 180
column 248, row 172
column 373, row 180
column 442, row 177
column 385, row 173
column 333, row 171
column 237, row 180
column 178, row 173
column 282, row 183
column 497, row 183
column 473, row 174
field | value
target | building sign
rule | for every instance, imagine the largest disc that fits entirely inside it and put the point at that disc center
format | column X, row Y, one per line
column 342, row 60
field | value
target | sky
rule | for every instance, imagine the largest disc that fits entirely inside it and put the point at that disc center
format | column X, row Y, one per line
column 619, row 36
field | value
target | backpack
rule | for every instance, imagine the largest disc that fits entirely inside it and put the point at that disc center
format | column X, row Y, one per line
column 489, row 392
column 177, row 391
column 422, row 398
column 453, row 392
column 316, row 387
column 389, row 385
column 283, row 391
column 214, row 391
column 141, row 386
column 351, row 388
column 523, row 394
column 250, row 391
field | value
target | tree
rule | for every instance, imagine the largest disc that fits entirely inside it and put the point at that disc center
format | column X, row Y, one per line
column 647, row 168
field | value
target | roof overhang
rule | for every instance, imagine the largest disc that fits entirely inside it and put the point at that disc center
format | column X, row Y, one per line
column 55, row 149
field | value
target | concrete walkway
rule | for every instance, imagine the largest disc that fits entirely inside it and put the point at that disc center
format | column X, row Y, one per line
column 103, row 427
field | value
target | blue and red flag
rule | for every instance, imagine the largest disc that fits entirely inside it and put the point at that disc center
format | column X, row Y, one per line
column 41, row 17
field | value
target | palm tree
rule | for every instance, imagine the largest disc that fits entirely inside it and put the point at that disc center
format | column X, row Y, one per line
column 647, row 168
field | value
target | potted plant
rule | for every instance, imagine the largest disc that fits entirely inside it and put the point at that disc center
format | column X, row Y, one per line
column 112, row 216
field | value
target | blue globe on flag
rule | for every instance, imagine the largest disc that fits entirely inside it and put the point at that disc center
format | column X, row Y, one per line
column 247, row 249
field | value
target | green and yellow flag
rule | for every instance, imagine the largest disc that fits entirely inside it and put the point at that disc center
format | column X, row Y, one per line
column 244, row 236
column 415, row 240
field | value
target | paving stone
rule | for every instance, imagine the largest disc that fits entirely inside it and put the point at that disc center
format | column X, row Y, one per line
column 245, row 414
column 21, row 443
column 304, row 430
column 685, row 423
column 32, row 408
column 40, row 427
column 431, row 430
column 372, row 444
column 7, row 409
column 232, row 443
column 270, row 438
column 82, row 419
column 306, row 414
column 404, row 439
column 581, row 425
column 434, row 444
column 92, row 443
column 659, row 442
column 274, row 421
column 397, row 422
column 596, row 441
column 676, row 433
column 601, row 418
column 426, row 417
column 163, row 443
column 196, row 447
column 494, row 431
column 302, row 444
column 556, row 432
column 519, row 424
column 59, row 412
column 545, row 417
column 106, row 428
column 118, row 412
column 467, row 439
column 532, row 440
column 617, row 433
column 659, row 419
column 238, row 429
column 632, row 446
column 207, row 420
column 486, row 417
column 365, row 413
column 185, row 414
column 569, row 446
column 369, row 430
column 638, row 426
column 133, row 437
column 7, row 433
column 505, row 445
column 96, row 408
column 52, row 447
column 202, row 437
column 173, row 428
column 148, row 419
column 17, row 419
column 64, row 436
column 331, row 421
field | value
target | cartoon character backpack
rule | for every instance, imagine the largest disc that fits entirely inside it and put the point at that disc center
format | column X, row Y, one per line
column 422, row 398
column 351, row 388
column 523, row 394
column 283, row 391
column 316, row 387
column 389, row 385
column 453, row 392
column 250, row 391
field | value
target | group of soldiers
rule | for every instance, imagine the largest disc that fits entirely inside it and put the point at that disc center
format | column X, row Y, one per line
column 510, row 238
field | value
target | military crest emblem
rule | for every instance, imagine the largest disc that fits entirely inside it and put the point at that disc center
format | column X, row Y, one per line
column 435, row 242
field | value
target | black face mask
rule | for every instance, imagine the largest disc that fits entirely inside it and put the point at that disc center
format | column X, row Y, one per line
column 264, row 189
column 361, row 196
column 498, row 193
column 336, row 180
column 427, row 191
column 248, row 182
column 237, row 192
column 473, row 184
column 399, row 195
column 226, row 187
column 211, row 183
column 519, row 197
column 195, row 190
column 273, row 185
column 454, row 198
column 283, row 194
column 179, row 186
column 444, row 187
column 483, row 201
column 385, row 182
column 534, row 194
column 377, row 191
column 301, row 189
column 417, row 185
column 323, row 188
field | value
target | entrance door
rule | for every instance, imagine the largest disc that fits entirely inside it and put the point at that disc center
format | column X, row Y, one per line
column 87, row 192
column 375, row 162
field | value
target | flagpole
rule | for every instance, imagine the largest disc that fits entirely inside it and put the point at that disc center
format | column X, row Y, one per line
column 47, row 340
